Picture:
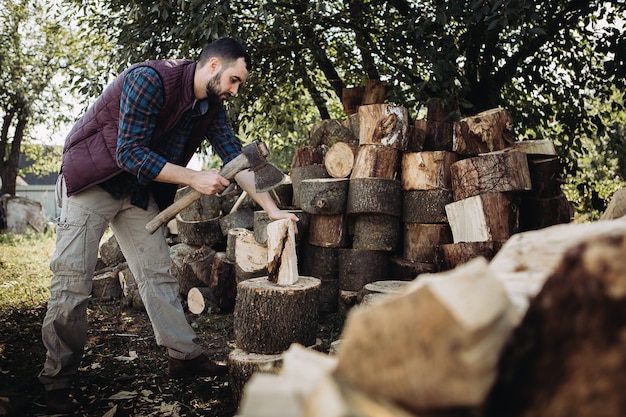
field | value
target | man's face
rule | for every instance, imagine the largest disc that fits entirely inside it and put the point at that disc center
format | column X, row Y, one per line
column 220, row 82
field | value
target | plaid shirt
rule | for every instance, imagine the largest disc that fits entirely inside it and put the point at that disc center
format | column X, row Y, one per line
column 140, row 104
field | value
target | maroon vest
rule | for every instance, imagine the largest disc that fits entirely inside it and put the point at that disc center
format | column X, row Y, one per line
column 89, row 151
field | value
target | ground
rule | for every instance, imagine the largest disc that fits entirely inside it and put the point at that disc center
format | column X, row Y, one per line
column 123, row 372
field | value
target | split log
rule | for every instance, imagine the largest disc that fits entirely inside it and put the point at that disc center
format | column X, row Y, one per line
column 223, row 282
column 250, row 257
column 463, row 320
column 358, row 267
column 328, row 132
column 324, row 195
column 261, row 220
column 298, row 174
column 489, row 131
column 257, row 326
column 282, row 260
column 427, row 170
column 374, row 196
column 417, row 137
column 455, row 254
column 407, row 270
column 340, row 158
column 376, row 232
column 200, row 300
column 537, row 213
column 425, row 206
column 328, row 231
column 191, row 265
column 242, row 365
column 308, row 155
column 568, row 355
column 493, row 216
column 376, row 161
column 490, row 173
column 431, row 136
column 421, row 241
column 440, row 110
column 384, row 124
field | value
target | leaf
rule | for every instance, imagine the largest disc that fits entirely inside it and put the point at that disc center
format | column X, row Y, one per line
column 123, row 395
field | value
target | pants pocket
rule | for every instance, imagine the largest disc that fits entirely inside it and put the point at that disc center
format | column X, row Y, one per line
column 71, row 243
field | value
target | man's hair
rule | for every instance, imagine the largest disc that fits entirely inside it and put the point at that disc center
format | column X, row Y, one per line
column 227, row 50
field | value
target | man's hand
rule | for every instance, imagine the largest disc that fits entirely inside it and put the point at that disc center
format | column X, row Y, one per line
column 283, row 214
column 208, row 182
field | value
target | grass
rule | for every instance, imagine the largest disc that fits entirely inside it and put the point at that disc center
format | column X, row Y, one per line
column 24, row 270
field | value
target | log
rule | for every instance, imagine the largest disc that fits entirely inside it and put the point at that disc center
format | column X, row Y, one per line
column 440, row 110
column 130, row 292
column 421, row 241
column 537, row 213
column 488, row 131
column 223, row 282
column 298, row 174
column 268, row 317
column 375, row 92
column 386, row 288
column 425, row 206
column 261, row 220
column 545, row 177
column 328, row 231
column 357, row 267
column 317, row 261
column 328, row 132
column 540, row 147
column 490, row 173
column 493, row 216
column 191, row 265
column 282, row 260
column 616, row 207
column 340, row 158
column 568, row 355
column 308, row 155
column 427, row 170
column 407, row 270
column 329, row 295
column 324, row 195
column 250, row 257
column 376, row 161
column 450, row 327
column 384, row 124
column 106, row 284
column 198, row 223
column 351, row 99
column 455, row 254
column 417, row 136
column 232, row 239
column 200, row 300
column 374, row 196
column 110, row 252
column 376, row 232
column 242, row 365
column 431, row 136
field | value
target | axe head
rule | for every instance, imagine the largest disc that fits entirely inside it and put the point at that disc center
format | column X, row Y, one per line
column 266, row 175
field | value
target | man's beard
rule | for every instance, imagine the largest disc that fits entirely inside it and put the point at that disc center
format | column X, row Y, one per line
column 213, row 88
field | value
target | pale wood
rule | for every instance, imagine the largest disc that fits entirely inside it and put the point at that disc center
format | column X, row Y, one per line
column 339, row 160
column 269, row 317
column 250, row 256
column 130, row 292
column 493, row 216
column 328, row 231
column 191, row 265
column 262, row 219
column 429, row 170
column 488, row 131
column 324, row 195
column 421, row 241
column 328, row 132
column 282, row 260
column 376, row 161
column 425, row 206
column 434, row 347
column 490, row 173
column 384, row 288
column 384, row 124
column 374, row 196
column 532, row 147
column 200, row 300
column 616, row 207
column 243, row 365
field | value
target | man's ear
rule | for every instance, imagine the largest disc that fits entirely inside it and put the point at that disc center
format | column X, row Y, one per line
column 214, row 64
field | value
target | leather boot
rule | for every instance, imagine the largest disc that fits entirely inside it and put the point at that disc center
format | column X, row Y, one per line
column 60, row 401
column 200, row 366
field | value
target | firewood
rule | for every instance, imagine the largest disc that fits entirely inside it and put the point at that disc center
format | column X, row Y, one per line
column 317, row 261
column 616, row 207
column 282, row 260
column 241, row 218
column 307, row 155
column 110, row 252
column 376, row 161
column 374, row 196
column 407, row 270
column 328, row 231
column 440, row 110
column 385, row 287
column 351, row 99
column 376, row 232
column 262, row 219
column 201, row 300
column 455, row 254
column 340, row 158
column 359, row 267
column 242, row 365
column 231, row 239
column 425, row 206
column 421, row 241
column 250, row 256
column 106, row 284
column 540, row 147
column 300, row 173
column 537, row 213
column 427, row 170
column 223, row 282
column 191, row 265
column 488, row 131
column 328, row 132
column 329, row 295
column 324, row 195
column 374, row 92
column 198, row 223
column 383, row 124
column 545, row 177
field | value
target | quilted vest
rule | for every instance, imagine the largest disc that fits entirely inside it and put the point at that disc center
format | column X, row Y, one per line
column 89, row 150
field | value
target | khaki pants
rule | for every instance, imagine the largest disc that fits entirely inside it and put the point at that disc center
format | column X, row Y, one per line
column 84, row 219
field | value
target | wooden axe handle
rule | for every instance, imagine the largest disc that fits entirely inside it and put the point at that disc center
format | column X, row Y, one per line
column 228, row 171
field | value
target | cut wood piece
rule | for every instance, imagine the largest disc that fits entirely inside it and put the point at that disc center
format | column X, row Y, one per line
column 440, row 110
column 328, row 231
column 357, row 267
column 282, row 260
column 450, row 327
column 407, row 270
column 200, row 300
column 324, row 195
column 351, row 99
column 493, row 216
column 354, row 124
column 329, row 295
column 339, row 160
column 328, row 132
column 106, row 284
column 431, row 136
column 540, row 147
column 223, row 282
column 490, row 173
column 307, row 155
column 242, row 365
column 198, row 223
column 261, row 220
column 241, row 218
column 422, row 240
column 191, row 265
column 568, row 355
column 386, row 287
column 317, row 261
column 376, row 161
column 489, row 131
column 425, row 206
column 232, row 238
column 537, row 213
column 417, row 136
column 374, row 196
column 376, row 232
column 130, row 292
column 298, row 174
column 374, row 92
column 455, row 254
column 545, row 176
column 427, row 170
column 268, row 317
column 616, row 207
column 250, row 257
column 110, row 252
column 384, row 124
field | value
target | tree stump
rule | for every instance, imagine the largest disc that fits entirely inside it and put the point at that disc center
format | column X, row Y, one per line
column 269, row 317
column 300, row 173
column 455, row 254
column 376, row 232
column 490, row 173
column 340, row 158
column 324, row 195
column 384, row 124
column 223, row 282
column 357, row 267
column 493, row 216
column 242, row 365
column 328, row 231
column 427, row 170
column 374, row 196
column 407, row 270
column 376, row 161
column 421, row 241
column 489, row 131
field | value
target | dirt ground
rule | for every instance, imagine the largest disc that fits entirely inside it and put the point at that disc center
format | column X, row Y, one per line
column 124, row 371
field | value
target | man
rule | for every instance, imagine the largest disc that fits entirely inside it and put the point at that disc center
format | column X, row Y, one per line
column 122, row 163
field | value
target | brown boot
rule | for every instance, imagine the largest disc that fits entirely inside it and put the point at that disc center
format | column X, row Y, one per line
column 60, row 401
column 200, row 366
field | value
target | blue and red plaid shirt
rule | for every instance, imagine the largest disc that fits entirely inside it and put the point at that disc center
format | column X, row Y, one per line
column 140, row 104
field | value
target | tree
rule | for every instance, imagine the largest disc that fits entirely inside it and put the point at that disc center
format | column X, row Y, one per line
column 546, row 61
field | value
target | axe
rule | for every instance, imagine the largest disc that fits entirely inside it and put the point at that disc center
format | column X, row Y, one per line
column 266, row 177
